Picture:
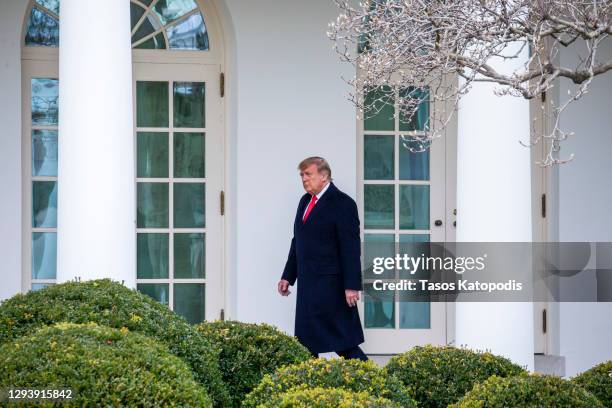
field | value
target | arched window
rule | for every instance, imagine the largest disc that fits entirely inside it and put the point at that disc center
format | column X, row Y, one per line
column 179, row 140
column 43, row 26
column 155, row 24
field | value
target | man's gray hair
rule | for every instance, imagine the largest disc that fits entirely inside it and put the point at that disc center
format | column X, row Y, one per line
column 322, row 165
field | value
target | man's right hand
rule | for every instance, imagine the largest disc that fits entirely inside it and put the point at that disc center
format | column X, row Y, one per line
column 283, row 287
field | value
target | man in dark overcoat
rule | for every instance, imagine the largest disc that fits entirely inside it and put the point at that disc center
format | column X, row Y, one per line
column 325, row 258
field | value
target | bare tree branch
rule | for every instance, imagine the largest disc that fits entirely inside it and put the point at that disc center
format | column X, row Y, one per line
column 411, row 51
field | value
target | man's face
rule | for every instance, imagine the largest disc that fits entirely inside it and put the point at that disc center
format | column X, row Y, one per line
column 312, row 180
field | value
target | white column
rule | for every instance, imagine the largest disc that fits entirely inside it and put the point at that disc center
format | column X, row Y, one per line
column 494, row 205
column 96, row 202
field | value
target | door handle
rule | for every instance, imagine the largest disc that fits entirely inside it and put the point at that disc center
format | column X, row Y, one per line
column 438, row 223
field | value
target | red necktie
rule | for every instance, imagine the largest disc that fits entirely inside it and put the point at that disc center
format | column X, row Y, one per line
column 312, row 203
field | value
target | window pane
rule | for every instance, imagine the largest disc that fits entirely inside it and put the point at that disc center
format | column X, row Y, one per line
column 379, row 205
column 153, row 255
column 152, row 102
column 189, row 205
column 415, row 245
column 189, row 301
column 158, row 291
column 169, row 10
column 149, row 25
column 136, row 13
column 43, row 30
column 414, row 207
column 44, row 204
column 189, row 256
column 45, row 93
column 413, row 314
column 189, row 104
column 420, row 120
column 379, row 111
column 39, row 286
column 414, row 309
column 413, row 165
column 189, row 153
column 52, row 5
column 190, row 34
column 412, row 238
column 379, row 308
column 44, row 255
column 152, row 158
column 377, row 246
column 44, row 153
column 152, row 205
column 378, row 157
column 364, row 44
column 155, row 43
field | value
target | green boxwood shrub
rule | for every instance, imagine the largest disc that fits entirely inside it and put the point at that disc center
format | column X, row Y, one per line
column 319, row 397
column 438, row 376
column 528, row 391
column 112, row 304
column 249, row 351
column 598, row 381
column 350, row 375
column 102, row 367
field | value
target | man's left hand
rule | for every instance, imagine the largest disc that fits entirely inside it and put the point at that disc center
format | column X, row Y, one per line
column 352, row 296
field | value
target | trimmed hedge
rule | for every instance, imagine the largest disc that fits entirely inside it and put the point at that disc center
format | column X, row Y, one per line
column 249, row 351
column 102, row 367
column 527, row 391
column 438, row 376
column 351, row 375
column 598, row 381
column 111, row 304
column 328, row 398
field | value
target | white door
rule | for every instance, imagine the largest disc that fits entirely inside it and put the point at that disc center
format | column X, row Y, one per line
column 178, row 119
column 402, row 199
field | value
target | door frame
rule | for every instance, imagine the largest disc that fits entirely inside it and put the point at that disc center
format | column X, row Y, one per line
column 219, row 54
column 544, row 200
column 215, row 153
column 444, row 152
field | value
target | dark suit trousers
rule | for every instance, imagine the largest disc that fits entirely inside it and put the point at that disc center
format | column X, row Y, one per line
column 354, row 352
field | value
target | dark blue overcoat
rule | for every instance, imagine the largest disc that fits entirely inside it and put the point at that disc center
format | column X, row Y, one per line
column 325, row 258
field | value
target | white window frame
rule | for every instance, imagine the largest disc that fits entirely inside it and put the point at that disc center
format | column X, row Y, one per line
column 30, row 70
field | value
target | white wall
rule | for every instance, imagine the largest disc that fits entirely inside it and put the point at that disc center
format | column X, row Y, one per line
column 584, row 210
column 291, row 103
column 11, row 19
